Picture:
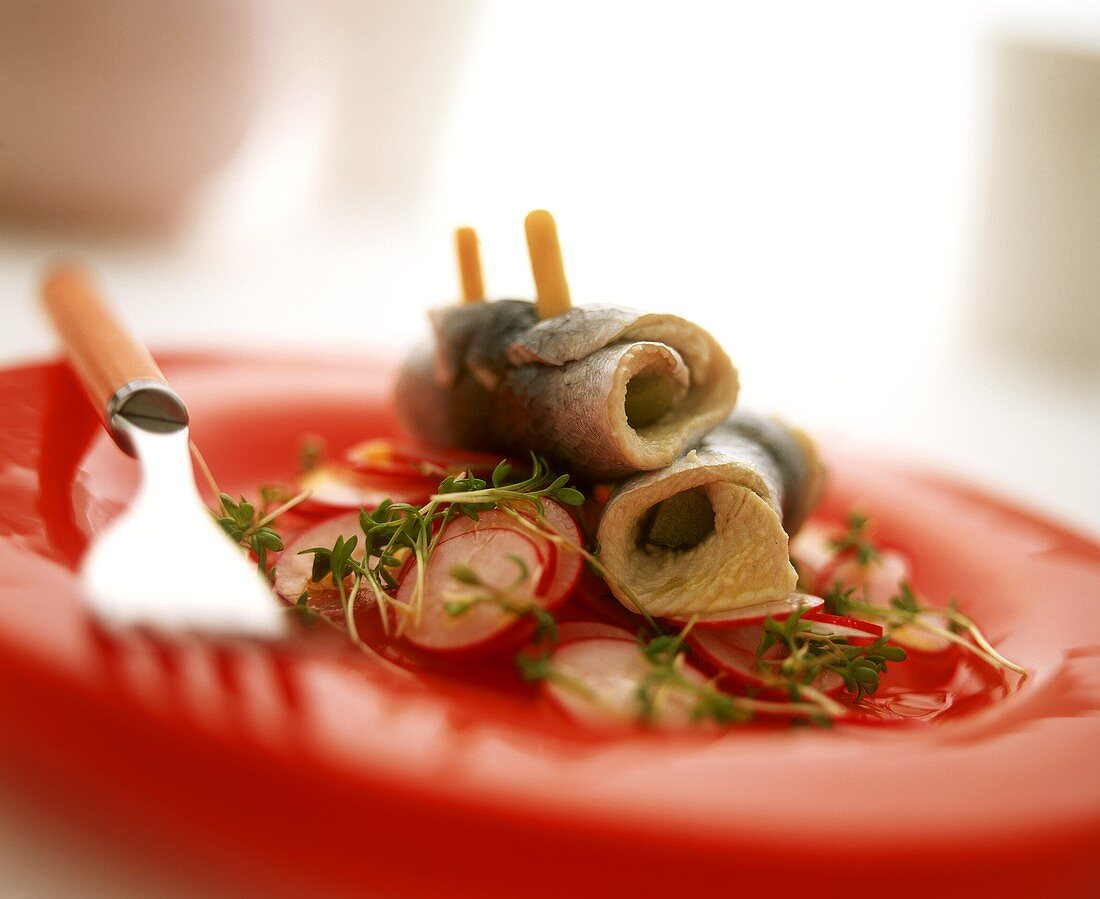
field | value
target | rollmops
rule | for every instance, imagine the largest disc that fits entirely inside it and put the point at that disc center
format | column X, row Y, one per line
column 601, row 391
column 610, row 394
column 709, row 532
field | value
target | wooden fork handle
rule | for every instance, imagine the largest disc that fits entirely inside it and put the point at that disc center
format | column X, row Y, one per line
column 114, row 367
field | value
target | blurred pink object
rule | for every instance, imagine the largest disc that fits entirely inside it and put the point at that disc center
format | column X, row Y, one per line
column 120, row 111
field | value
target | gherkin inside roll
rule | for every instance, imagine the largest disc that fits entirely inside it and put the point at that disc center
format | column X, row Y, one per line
column 682, row 521
column 650, row 396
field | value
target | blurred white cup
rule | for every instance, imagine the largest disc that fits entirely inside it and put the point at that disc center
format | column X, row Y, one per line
column 118, row 111
column 131, row 112
column 1039, row 263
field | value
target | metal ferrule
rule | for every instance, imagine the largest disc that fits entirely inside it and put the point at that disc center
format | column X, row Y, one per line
column 147, row 404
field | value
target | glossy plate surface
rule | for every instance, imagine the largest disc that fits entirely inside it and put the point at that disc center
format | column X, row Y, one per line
column 305, row 766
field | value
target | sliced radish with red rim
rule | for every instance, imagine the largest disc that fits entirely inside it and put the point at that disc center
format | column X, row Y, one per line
column 916, row 639
column 876, row 582
column 733, row 650
column 778, row 610
column 565, row 565
column 851, row 630
column 585, row 630
column 812, row 550
column 502, row 558
column 292, row 571
column 597, row 680
column 559, row 520
column 389, row 457
column 334, row 487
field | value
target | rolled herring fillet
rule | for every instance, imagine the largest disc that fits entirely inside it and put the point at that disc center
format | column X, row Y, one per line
column 601, row 391
column 708, row 533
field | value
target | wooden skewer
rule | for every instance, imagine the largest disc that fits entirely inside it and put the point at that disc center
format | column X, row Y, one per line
column 551, row 288
column 469, row 265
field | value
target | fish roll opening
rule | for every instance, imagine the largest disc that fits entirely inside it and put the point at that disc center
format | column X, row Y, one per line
column 649, row 397
column 682, row 521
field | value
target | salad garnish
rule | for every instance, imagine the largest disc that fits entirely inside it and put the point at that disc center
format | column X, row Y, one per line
column 394, row 531
column 904, row 610
column 809, row 654
column 802, row 668
column 855, row 540
column 246, row 524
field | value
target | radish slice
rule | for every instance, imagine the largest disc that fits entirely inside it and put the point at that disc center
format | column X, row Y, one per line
column 335, row 487
column 394, row 458
column 778, row 610
column 854, row 631
column 917, row 640
column 492, row 553
column 821, row 565
column 487, row 520
column 584, row 630
column 877, row 582
column 567, row 564
column 734, row 652
column 494, row 520
column 600, row 678
column 292, row 571
column 812, row 550
column 557, row 517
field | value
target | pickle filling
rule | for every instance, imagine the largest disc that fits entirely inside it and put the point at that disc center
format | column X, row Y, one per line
column 682, row 521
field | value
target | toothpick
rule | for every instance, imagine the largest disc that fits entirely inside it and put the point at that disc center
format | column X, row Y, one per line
column 469, row 265
column 551, row 289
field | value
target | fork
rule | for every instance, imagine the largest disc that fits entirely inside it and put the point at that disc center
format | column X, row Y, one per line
column 124, row 575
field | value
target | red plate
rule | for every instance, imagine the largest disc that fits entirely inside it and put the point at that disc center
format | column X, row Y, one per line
column 306, row 769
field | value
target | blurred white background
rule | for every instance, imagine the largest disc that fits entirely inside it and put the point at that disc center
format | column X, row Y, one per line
column 889, row 213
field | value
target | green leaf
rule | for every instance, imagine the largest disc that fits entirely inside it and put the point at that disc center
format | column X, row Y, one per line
column 570, row 496
column 775, row 627
column 546, row 628
column 268, row 539
column 464, row 574
column 838, row 601
column 534, row 668
column 905, row 601
column 663, row 649
column 855, row 541
column 557, row 484
column 321, row 564
column 501, row 472
column 457, row 609
column 524, row 573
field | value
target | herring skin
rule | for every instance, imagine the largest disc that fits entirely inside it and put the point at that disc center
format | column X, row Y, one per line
column 798, row 470
column 497, row 378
